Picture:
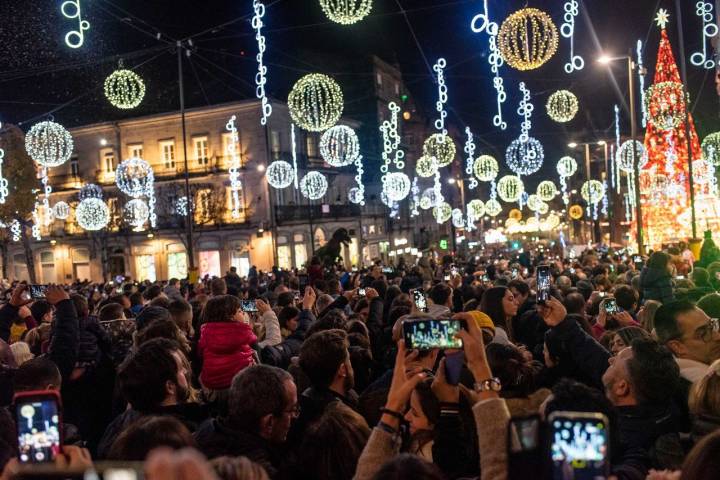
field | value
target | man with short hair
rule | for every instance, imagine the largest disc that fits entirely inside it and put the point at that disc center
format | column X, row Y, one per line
column 181, row 313
column 262, row 404
column 626, row 298
column 172, row 290
column 218, row 287
column 39, row 373
column 442, row 300
column 691, row 335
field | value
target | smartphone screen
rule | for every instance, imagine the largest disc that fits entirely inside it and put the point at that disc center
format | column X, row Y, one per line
column 446, row 278
column 610, row 305
column 37, row 416
column 248, row 305
column 38, row 291
column 526, row 455
column 361, row 292
column 579, row 443
column 387, row 270
column 422, row 334
column 514, row 273
column 302, row 282
column 543, row 283
column 420, row 300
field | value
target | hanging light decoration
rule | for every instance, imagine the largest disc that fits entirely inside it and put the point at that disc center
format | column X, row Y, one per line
column 315, row 102
column 426, row 166
column 236, row 205
column 525, row 157
column 475, row 209
column 534, row 202
column 124, row 89
column 567, row 30
column 481, row 23
column 493, row 208
column 711, row 149
column 592, row 191
column 543, row 208
column 280, row 174
column 90, row 190
column 314, row 185
column 439, row 69
column 181, row 206
column 624, row 156
column 442, row 212
column 392, row 154
column 458, row 220
column 470, row 161
column 346, row 12
column 429, row 198
column 134, row 177
column 92, row 214
column 515, row 214
column 527, row 39
column 261, row 75
column 4, row 190
column 71, row 10
column 136, row 213
column 440, row 146
column 396, row 186
column 49, row 144
column 575, row 212
column 339, row 146
column 704, row 10
column 567, row 166
column 510, row 188
column 356, row 196
column 486, row 168
column 562, row 106
column 665, row 103
column 546, row 190
column 61, row 210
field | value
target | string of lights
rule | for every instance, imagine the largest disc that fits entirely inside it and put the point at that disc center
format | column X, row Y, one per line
column 71, row 10
column 439, row 69
column 4, row 191
column 704, row 10
column 525, row 111
column 470, row 150
column 567, row 30
column 481, row 23
column 261, row 76
column 234, row 170
column 293, row 140
column 641, row 78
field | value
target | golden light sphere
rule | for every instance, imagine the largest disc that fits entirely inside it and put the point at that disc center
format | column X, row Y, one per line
column 440, row 146
column 515, row 214
column 493, row 207
column 510, row 188
column 562, row 106
column 575, row 212
column 527, row 39
column 315, row 102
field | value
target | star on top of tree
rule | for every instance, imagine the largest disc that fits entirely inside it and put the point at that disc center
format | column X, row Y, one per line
column 662, row 18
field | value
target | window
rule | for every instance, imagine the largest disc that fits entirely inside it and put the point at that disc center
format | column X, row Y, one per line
column 284, row 257
column 47, row 267
column 107, row 159
column 311, row 146
column 145, row 267
column 201, row 150
column 74, row 166
column 167, row 153
column 203, row 205
column 81, row 264
column 177, row 265
column 241, row 262
column 275, row 143
column 210, row 263
column 227, row 144
column 135, row 150
column 300, row 255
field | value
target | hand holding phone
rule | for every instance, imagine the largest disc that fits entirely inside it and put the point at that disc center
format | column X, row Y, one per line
column 425, row 334
column 543, row 283
column 38, row 292
column 249, row 306
column 580, row 442
column 420, row 300
column 38, row 419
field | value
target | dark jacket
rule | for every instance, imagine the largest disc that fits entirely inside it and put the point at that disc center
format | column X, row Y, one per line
column 281, row 354
column 656, row 284
column 582, row 350
column 313, row 403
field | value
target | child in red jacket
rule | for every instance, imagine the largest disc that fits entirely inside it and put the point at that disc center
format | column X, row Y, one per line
column 225, row 342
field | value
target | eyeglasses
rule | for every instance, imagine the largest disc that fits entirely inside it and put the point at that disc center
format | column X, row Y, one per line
column 706, row 332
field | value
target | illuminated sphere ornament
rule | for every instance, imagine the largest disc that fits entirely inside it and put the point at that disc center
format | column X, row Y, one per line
column 665, row 104
column 49, row 144
column 546, row 190
column 457, row 218
column 124, row 89
column 428, row 199
column 134, row 177
column 493, row 207
column 92, row 214
column 90, row 190
column 486, row 168
column 624, row 156
column 346, row 12
column 339, row 146
column 356, row 196
column 567, row 166
column 525, row 157
column 442, row 212
column 426, row 166
column 515, row 214
column 527, row 39
column 510, row 188
column 396, row 186
column 476, row 209
column 711, row 149
column 534, row 203
column 562, row 106
column 440, row 146
column 575, row 212
column 136, row 212
column 313, row 185
column 61, row 210
column 543, row 208
column 592, row 191
column 280, row 174
column 315, row 102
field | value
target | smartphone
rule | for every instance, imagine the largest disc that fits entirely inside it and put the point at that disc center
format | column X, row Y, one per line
column 610, row 306
column 420, row 300
column 579, row 444
column 514, row 273
column 446, row 278
column 453, row 367
column 39, row 426
column 361, row 292
column 297, row 295
column 248, row 306
column 37, row 291
column 543, row 283
column 387, row 270
column 680, row 277
column 525, row 447
column 302, row 282
column 485, row 278
column 427, row 334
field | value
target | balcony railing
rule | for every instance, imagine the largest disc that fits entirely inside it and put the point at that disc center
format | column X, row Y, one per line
column 303, row 213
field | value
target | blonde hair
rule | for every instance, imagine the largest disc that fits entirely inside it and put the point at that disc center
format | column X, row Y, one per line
column 21, row 352
column 704, row 396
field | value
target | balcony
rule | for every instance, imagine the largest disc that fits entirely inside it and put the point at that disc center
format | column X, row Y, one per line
column 303, row 213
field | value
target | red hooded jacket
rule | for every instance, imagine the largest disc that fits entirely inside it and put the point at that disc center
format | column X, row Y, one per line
column 225, row 350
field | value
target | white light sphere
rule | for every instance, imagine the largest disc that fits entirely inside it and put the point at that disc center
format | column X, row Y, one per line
column 280, row 174
column 385, row 200
column 313, row 185
column 315, row 102
column 61, row 210
column 440, row 146
column 356, row 196
column 562, row 106
column 525, row 157
column 90, row 190
column 135, row 178
column 339, row 146
column 493, row 208
column 592, row 191
column 534, row 202
column 346, row 12
column 546, row 190
column 49, row 144
column 711, row 149
column 92, row 214
column 428, row 199
column 624, row 156
column 552, row 221
column 543, row 208
column 567, row 166
column 124, row 89
column 442, row 212
column 396, row 186
column 486, row 168
column 426, row 166
column 510, row 188
column 458, row 220
column 136, row 212
column 476, row 209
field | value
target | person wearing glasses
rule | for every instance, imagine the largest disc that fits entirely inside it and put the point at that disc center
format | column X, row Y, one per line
column 691, row 335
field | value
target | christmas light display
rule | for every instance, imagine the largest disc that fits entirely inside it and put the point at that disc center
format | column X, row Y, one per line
column 35, row 227
column 510, row 188
column 525, row 111
column 280, row 174
column 314, row 185
column 515, row 214
column 542, row 208
column 527, row 39
column 234, row 169
column 475, row 209
column 415, row 204
column 339, row 146
column 92, row 214
column 315, row 102
column 71, row 10
column 396, row 186
column 124, row 89
column 428, row 199
column 624, row 156
column 90, row 190
column 546, row 190
column 425, row 166
column 293, row 141
column 614, row 171
column 392, row 153
column 4, row 191
column 567, row 30
column 481, row 23
column 486, row 168
column 442, row 212
column 440, row 146
column 61, row 210
column 493, row 208
column 711, row 149
column 592, row 191
column 49, row 144
column 534, row 202
column 15, row 230
column 665, row 104
column 355, row 196
column 346, row 12
column 641, row 78
column 439, row 69
column 136, row 213
column 458, row 219
column 134, row 177
column 470, row 161
column 562, row 106
column 575, row 212
column 261, row 75
column 181, row 206
column 360, row 195
column 704, row 10
column 566, row 167
column 525, row 157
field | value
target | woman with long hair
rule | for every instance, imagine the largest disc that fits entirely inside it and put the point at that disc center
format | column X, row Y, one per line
column 499, row 304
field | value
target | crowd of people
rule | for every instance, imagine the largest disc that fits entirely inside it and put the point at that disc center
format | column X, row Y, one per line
column 307, row 374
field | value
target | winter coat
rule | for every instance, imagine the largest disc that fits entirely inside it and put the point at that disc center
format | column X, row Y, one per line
column 656, row 284
column 225, row 349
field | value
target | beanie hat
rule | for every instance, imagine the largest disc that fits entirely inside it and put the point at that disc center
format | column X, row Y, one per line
column 483, row 321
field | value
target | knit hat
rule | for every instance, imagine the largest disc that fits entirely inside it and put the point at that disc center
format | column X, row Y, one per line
column 710, row 304
column 484, row 322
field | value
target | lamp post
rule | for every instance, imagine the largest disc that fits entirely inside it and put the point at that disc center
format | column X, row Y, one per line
column 588, row 173
column 606, row 60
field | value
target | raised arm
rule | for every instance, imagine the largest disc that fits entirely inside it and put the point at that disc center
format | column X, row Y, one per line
column 65, row 339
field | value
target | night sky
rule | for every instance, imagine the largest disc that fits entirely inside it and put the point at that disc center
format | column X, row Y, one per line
column 38, row 73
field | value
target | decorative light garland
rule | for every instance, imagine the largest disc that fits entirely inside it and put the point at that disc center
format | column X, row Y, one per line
column 562, row 106
column 15, row 230
column 234, row 170
column 61, row 210
column 124, row 89
column 440, row 146
column 711, row 149
column 525, row 156
column 90, row 190
column 134, row 177
column 49, row 144
column 475, row 209
column 71, row 10
column 525, row 111
column 136, row 213
column 527, row 39
column 546, row 190
column 643, row 93
column 294, row 155
column 261, row 75
column 592, row 191
column 510, row 188
column 47, row 190
column 346, row 12
column 615, row 169
column 671, row 156
column 575, row 212
column 428, row 199
column 486, row 168
column 494, row 59
column 624, row 156
column 181, row 206
column 458, row 219
column 359, row 196
column 439, row 69
column 35, row 228
column 396, row 186
column 566, row 167
column 426, row 166
column 704, row 10
column 665, row 103
column 92, row 214
column 442, row 212
column 534, row 202
column 470, row 150
column 4, row 190
column 493, row 208
column 315, row 102
column 567, row 30
column 280, row 174
column 339, row 146
column 314, row 185
column 415, row 190
column 392, row 153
